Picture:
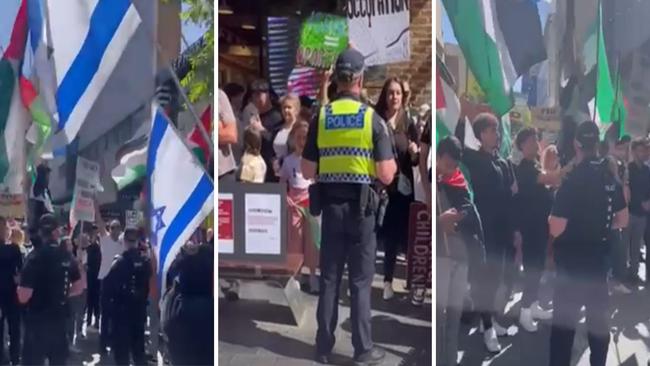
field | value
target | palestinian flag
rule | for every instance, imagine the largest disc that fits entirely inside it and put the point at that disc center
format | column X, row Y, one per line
column 501, row 40
column 132, row 158
column 200, row 147
column 609, row 102
column 447, row 103
column 41, row 127
column 13, row 116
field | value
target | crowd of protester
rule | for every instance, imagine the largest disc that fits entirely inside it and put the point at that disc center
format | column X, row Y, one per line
column 59, row 286
column 261, row 140
column 506, row 227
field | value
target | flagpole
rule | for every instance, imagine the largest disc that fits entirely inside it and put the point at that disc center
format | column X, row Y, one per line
column 197, row 119
column 600, row 26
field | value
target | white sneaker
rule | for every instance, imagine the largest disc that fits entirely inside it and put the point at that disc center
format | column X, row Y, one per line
column 388, row 291
column 526, row 320
column 621, row 288
column 491, row 341
column 501, row 331
column 538, row 313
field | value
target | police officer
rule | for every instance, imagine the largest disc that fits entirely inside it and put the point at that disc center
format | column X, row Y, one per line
column 588, row 205
column 127, row 289
column 45, row 286
column 348, row 149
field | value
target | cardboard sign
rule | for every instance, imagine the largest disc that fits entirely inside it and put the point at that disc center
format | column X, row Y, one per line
column 86, row 185
column 322, row 38
column 419, row 255
column 133, row 219
column 226, row 229
column 380, row 30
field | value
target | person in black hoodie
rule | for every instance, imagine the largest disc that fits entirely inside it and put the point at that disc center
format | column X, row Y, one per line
column 494, row 186
column 459, row 247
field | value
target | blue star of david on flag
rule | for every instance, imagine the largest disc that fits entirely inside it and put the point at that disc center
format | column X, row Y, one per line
column 157, row 222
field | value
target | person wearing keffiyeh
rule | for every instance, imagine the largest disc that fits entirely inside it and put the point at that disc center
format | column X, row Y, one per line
column 459, row 246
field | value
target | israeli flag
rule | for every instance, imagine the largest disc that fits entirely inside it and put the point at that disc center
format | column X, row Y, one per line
column 181, row 193
column 78, row 43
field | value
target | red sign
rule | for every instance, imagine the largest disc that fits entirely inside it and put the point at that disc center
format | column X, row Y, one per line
column 226, row 228
column 419, row 255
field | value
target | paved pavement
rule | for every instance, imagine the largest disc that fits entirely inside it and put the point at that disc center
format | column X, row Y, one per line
column 258, row 330
column 629, row 345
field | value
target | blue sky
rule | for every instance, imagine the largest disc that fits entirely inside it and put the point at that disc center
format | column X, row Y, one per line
column 9, row 8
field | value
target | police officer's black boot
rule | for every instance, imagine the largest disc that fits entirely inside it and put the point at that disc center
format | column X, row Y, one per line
column 374, row 356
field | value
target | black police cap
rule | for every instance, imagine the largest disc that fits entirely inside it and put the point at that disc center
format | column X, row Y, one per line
column 48, row 222
column 349, row 65
column 587, row 134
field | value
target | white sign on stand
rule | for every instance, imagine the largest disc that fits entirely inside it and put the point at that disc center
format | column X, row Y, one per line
column 263, row 223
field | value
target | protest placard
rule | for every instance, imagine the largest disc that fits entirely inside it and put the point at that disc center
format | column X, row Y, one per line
column 86, row 184
column 322, row 37
column 380, row 30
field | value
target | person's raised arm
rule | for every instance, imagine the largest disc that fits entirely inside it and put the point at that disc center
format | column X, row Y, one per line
column 227, row 129
column 101, row 224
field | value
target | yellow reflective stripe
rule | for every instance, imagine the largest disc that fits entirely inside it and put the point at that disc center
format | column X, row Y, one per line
column 351, row 164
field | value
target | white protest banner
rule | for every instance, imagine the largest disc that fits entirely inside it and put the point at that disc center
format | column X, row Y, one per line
column 86, row 184
column 263, row 220
column 379, row 29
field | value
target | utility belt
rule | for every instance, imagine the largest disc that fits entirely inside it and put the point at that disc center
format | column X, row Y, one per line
column 371, row 200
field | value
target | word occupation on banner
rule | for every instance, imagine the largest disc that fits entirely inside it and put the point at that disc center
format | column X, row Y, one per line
column 322, row 37
column 419, row 247
column 379, row 29
column 86, row 184
column 226, row 221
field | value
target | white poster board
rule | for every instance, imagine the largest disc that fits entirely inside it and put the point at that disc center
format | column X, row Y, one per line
column 262, row 223
column 86, row 184
column 380, row 30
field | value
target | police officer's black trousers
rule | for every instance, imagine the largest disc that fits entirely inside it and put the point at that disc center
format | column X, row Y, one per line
column 534, row 245
column 10, row 311
column 92, row 302
column 572, row 291
column 128, row 335
column 45, row 338
column 346, row 236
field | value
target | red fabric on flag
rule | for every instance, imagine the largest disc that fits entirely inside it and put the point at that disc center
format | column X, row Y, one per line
column 16, row 48
column 196, row 137
column 440, row 96
column 27, row 91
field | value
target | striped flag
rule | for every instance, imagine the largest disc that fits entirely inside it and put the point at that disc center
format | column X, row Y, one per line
column 41, row 127
column 86, row 40
column 132, row 159
column 178, row 206
column 304, row 81
column 501, row 40
column 200, row 147
column 608, row 105
column 447, row 103
column 14, row 118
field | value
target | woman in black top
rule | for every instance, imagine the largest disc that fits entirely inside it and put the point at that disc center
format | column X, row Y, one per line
column 394, row 231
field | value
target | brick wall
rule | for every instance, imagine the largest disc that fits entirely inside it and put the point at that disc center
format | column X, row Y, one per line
column 418, row 70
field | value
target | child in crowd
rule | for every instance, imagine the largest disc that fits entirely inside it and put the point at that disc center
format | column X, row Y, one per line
column 253, row 167
column 300, row 235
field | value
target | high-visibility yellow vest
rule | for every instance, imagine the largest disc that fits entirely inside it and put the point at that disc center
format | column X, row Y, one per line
column 345, row 143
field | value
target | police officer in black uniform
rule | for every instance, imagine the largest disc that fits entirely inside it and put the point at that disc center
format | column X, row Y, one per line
column 348, row 149
column 588, row 205
column 127, row 290
column 45, row 286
